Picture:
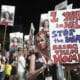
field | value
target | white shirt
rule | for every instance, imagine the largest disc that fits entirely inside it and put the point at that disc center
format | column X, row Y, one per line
column 21, row 64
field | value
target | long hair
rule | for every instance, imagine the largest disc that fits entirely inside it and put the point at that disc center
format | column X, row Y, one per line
column 43, row 37
column 4, row 15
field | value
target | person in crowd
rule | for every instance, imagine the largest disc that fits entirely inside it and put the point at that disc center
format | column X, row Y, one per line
column 13, row 59
column 36, row 64
column 4, row 60
column 26, row 52
column 42, row 45
column 75, row 73
column 8, row 69
column 21, row 65
column 7, row 54
column 2, row 67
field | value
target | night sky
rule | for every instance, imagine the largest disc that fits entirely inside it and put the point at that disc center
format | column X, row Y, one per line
column 28, row 11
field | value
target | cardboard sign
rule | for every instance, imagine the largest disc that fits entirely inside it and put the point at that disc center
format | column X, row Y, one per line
column 7, row 15
column 16, row 40
column 65, row 35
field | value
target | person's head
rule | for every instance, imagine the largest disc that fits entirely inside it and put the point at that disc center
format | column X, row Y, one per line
column 40, row 41
column 25, row 51
column 20, row 51
column 15, row 54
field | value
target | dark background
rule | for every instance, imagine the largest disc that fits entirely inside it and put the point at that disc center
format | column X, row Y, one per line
column 28, row 11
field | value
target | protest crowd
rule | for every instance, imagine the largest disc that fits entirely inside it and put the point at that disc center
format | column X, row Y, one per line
column 40, row 56
column 32, row 62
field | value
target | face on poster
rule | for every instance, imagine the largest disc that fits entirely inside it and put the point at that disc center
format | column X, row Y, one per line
column 7, row 14
column 44, row 23
column 65, row 35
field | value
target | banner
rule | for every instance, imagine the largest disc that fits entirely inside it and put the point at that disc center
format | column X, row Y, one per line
column 7, row 15
column 65, row 35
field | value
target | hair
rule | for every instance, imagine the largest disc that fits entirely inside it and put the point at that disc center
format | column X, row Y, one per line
column 41, row 36
column 4, row 15
column 44, row 22
column 15, row 38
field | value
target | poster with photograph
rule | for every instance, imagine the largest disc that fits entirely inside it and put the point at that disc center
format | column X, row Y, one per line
column 65, row 35
column 44, row 28
column 16, row 40
column 44, row 24
column 7, row 15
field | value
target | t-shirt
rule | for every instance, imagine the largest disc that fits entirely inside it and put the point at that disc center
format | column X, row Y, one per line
column 8, row 69
column 21, row 64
